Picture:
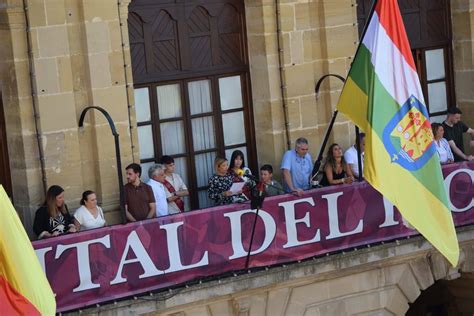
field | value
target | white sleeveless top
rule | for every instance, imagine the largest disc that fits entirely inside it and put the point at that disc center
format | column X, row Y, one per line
column 87, row 220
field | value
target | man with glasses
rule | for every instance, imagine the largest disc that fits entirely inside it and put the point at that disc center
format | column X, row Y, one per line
column 296, row 167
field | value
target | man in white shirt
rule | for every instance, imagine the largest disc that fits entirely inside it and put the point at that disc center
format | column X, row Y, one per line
column 350, row 156
column 156, row 173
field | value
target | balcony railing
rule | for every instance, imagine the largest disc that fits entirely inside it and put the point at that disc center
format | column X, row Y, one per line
column 124, row 260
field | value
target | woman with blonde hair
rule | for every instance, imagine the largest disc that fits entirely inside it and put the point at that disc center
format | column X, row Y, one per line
column 53, row 218
column 220, row 183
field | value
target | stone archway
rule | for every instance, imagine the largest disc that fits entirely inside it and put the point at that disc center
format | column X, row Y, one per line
column 444, row 297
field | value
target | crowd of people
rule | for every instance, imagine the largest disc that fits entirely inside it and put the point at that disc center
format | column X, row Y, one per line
column 232, row 182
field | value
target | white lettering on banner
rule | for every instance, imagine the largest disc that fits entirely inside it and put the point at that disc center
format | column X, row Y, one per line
column 389, row 214
column 41, row 253
column 447, row 183
column 334, row 231
column 174, row 250
column 83, row 262
column 291, row 222
column 134, row 243
column 236, row 231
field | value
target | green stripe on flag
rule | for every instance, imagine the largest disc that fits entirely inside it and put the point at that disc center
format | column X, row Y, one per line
column 381, row 109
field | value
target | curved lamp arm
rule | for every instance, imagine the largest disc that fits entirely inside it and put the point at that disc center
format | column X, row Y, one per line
column 117, row 152
column 317, row 163
column 104, row 112
column 320, row 82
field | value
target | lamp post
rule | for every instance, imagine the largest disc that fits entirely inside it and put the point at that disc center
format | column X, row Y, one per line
column 117, row 152
column 317, row 163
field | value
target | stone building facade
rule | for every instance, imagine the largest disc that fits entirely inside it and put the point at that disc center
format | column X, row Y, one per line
column 60, row 56
column 400, row 278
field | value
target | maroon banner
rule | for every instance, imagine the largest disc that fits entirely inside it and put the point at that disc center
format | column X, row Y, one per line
column 124, row 260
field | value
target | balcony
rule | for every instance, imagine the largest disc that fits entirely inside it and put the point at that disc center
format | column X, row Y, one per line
column 123, row 261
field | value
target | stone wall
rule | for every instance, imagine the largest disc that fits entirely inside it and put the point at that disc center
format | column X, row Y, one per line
column 317, row 38
column 320, row 37
column 17, row 100
column 462, row 17
column 77, row 60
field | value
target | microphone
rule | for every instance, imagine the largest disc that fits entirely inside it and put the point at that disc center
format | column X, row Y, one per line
column 249, row 175
column 240, row 173
column 261, row 188
column 259, row 196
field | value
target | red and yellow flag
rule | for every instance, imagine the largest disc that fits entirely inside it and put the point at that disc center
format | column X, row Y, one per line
column 24, row 289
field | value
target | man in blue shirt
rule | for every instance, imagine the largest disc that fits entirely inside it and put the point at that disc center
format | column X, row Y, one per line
column 296, row 167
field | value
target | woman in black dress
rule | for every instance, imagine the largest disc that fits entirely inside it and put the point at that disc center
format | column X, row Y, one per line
column 336, row 171
column 241, row 173
column 220, row 183
column 53, row 218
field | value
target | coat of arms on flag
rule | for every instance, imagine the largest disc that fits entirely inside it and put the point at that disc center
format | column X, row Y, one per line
column 408, row 136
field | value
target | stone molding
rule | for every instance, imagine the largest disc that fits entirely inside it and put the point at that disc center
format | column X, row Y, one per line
column 384, row 278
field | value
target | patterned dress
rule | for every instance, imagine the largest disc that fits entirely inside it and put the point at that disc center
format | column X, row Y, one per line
column 44, row 223
column 217, row 186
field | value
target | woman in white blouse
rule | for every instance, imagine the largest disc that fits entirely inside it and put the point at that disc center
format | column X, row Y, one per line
column 442, row 146
column 89, row 215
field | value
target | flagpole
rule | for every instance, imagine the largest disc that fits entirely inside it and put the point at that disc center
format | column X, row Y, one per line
column 317, row 163
column 366, row 26
column 359, row 152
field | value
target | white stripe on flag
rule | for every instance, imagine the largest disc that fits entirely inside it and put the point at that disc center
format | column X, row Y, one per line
column 395, row 74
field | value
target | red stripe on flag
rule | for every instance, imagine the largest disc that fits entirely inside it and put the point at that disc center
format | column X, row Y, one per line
column 391, row 20
column 13, row 303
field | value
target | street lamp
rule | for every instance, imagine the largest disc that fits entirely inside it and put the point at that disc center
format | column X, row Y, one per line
column 117, row 152
column 317, row 163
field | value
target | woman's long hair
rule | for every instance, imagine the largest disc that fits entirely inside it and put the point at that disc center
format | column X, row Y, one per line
column 50, row 202
column 235, row 154
column 331, row 160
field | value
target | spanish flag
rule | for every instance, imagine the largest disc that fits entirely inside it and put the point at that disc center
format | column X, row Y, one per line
column 24, row 289
column 383, row 96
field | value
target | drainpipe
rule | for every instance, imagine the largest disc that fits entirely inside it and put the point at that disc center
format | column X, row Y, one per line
column 283, row 87
column 127, row 80
column 34, row 97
